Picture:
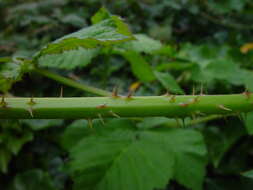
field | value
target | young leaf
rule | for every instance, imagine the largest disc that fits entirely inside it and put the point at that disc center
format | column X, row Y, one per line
column 102, row 14
column 142, row 44
column 85, row 42
column 169, row 82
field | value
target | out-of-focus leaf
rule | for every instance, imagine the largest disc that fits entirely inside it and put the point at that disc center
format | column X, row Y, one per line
column 168, row 82
column 134, row 86
column 76, row 131
column 225, row 70
column 125, row 156
column 248, row 78
column 39, row 124
column 32, row 179
column 73, row 19
column 248, row 174
column 14, row 144
column 246, row 47
column 12, row 138
column 220, row 140
column 5, row 157
column 248, row 121
column 227, row 6
column 140, row 68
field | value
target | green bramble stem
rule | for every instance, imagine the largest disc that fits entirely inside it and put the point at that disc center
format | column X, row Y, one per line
column 72, row 83
column 145, row 106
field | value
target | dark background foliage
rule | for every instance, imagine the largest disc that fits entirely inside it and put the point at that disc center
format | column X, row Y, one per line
column 197, row 33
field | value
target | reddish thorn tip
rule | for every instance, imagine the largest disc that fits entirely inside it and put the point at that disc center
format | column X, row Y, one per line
column 101, row 106
column 115, row 92
column 224, row 108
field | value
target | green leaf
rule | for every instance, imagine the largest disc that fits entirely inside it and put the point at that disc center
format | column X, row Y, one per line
column 142, row 44
column 151, row 122
column 140, row 68
column 102, row 14
column 12, row 138
column 127, row 158
column 220, row 139
column 39, row 124
column 248, row 174
column 69, row 59
column 78, row 48
column 11, row 72
column 248, row 121
column 248, row 78
column 169, row 82
column 32, row 179
column 14, row 144
column 74, row 133
column 5, row 157
column 223, row 69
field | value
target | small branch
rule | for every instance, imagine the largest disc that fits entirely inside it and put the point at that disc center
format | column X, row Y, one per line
column 72, row 83
column 92, row 107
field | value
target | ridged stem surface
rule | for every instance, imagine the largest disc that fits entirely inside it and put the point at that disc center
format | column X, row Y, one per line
column 145, row 106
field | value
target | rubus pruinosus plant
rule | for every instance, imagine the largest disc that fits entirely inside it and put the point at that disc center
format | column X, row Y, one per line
column 124, row 153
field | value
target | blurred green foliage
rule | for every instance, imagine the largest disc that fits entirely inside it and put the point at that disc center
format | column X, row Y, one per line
column 180, row 45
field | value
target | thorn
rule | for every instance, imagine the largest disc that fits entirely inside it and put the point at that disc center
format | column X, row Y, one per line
column 101, row 119
column 101, row 106
column 247, row 94
column 61, row 92
column 3, row 103
column 115, row 92
column 224, row 108
column 90, row 123
column 183, row 104
column 172, row 99
column 193, row 90
column 31, row 102
column 130, row 94
column 196, row 99
column 201, row 90
column 167, row 94
column 30, row 111
column 114, row 114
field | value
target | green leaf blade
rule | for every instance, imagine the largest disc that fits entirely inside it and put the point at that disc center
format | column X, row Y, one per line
column 168, row 82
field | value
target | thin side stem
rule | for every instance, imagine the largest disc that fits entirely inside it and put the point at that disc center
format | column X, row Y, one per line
column 72, row 83
column 147, row 106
